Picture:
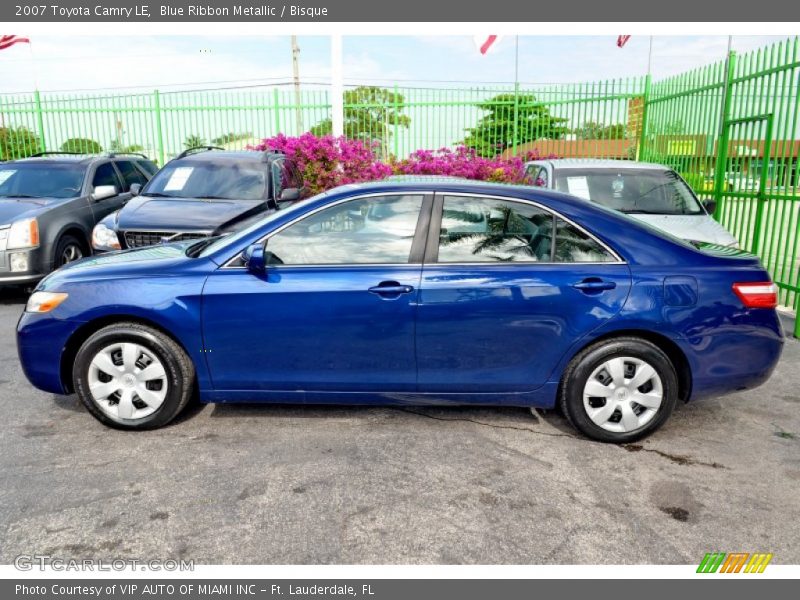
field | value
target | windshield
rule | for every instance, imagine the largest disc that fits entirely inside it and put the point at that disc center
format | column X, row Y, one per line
column 208, row 179
column 296, row 207
column 41, row 180
column 634, row 191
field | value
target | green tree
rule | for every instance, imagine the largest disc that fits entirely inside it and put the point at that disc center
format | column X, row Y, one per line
column 194, row 140
column 231, row 137
column 18, row 142
column 498, row 130
column 81, row 146
column 370, row 115
column 119, row 148
column 592, row 130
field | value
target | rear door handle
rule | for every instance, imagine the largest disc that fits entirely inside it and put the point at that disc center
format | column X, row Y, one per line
column 390, row 288
column 594, row 285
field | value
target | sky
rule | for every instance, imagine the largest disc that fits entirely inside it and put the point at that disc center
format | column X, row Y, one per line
column 80, row 63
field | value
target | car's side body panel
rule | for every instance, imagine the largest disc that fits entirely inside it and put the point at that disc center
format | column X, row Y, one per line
column 482, row 334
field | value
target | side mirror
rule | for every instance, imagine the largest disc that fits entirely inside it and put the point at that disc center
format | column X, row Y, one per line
column 710, row 206
column 101, row 192
column 135, row 189
column 289, row 195
column 254, row 258
column 257, row 258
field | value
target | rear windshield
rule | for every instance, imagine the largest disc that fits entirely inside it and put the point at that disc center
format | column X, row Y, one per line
column 633, row 191
column 41, row 180
column 210, row 179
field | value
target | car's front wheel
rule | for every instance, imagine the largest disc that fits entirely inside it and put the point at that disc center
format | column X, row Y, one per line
column 131, row 376
column 619, row 390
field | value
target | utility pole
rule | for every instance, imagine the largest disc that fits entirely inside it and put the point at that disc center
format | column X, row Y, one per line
column 296, row 73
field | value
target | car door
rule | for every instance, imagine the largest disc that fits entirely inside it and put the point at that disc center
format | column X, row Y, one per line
column 335, row 309
column 106, row 174
column 507, row 287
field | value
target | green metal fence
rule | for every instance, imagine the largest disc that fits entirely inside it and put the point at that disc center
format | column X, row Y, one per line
column 732, row 129
column 160, row 124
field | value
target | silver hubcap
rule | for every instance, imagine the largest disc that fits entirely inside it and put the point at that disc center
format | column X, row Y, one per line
column 127, row 381
column 71, row 253
column 623, row 394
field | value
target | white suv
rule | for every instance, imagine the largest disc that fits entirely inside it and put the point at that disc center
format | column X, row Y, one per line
column 649, row 192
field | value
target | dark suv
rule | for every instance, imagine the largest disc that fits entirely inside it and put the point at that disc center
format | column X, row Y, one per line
column 202, row 192
column 50, row 202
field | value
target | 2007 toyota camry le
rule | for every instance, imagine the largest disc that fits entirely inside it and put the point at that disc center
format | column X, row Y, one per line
column 411, row 292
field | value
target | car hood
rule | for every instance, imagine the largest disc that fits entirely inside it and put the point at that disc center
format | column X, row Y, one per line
column 154, row 260
column 694, row 228
column 184, row 214
column 12, row 209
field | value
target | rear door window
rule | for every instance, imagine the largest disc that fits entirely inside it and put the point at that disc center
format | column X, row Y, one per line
column 130, row 174
column 475, row 229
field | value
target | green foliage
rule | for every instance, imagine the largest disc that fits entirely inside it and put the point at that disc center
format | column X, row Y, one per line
column 194, row 140
column 117, row 147
column 231, row 137
column 592, row 130
column 370, row 114
column 498, row 130
column 18, row 142
column 81, row 146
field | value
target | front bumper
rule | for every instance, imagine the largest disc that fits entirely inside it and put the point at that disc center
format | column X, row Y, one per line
column 41, row 341
column 36, row 268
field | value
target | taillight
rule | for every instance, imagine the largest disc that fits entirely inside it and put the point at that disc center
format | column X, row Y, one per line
column 757, row 295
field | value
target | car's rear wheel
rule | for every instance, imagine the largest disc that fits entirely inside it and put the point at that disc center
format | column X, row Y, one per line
column 131, row 376
column 619, row 390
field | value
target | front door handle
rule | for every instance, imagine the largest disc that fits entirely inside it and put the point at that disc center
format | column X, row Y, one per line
column 594, row 285
column 390, row 288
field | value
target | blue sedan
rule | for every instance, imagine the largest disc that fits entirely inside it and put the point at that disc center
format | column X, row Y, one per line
column 411, row 292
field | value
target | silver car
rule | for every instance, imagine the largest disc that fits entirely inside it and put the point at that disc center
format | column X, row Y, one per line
column 649, row 192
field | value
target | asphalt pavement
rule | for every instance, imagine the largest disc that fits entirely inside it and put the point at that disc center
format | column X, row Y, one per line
column 257, row 484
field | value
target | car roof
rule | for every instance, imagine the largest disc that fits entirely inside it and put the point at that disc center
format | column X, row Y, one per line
column 67, row 159
column 450, row 184
column 232, row 156
column 598, row 163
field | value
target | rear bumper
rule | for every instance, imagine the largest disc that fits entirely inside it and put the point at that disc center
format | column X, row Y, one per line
column 733, row 361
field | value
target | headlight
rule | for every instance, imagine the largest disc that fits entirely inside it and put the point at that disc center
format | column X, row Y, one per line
column 44, row 302
column 23, row 234
column 104, row 238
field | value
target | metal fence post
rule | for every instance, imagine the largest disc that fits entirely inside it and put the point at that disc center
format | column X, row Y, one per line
column 396, row 119
column 277, row 104
column 515, row 129
column 722, row 145
column 40, row 120
column 159, row 133
column 643, row 129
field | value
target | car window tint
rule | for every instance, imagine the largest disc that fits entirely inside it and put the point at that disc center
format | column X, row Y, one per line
column 541, row 178
column 490, row 230
column 280, row 178
column 365, row 231
column 130, row 174
column 573, row 245
column 106, row 175
column 148, row 167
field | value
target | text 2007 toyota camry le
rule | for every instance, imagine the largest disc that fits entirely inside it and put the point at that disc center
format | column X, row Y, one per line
column 426, row 292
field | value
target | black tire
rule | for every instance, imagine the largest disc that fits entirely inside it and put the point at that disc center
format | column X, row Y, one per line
column 583, row 365
column 67, row 242
column 180, row 373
